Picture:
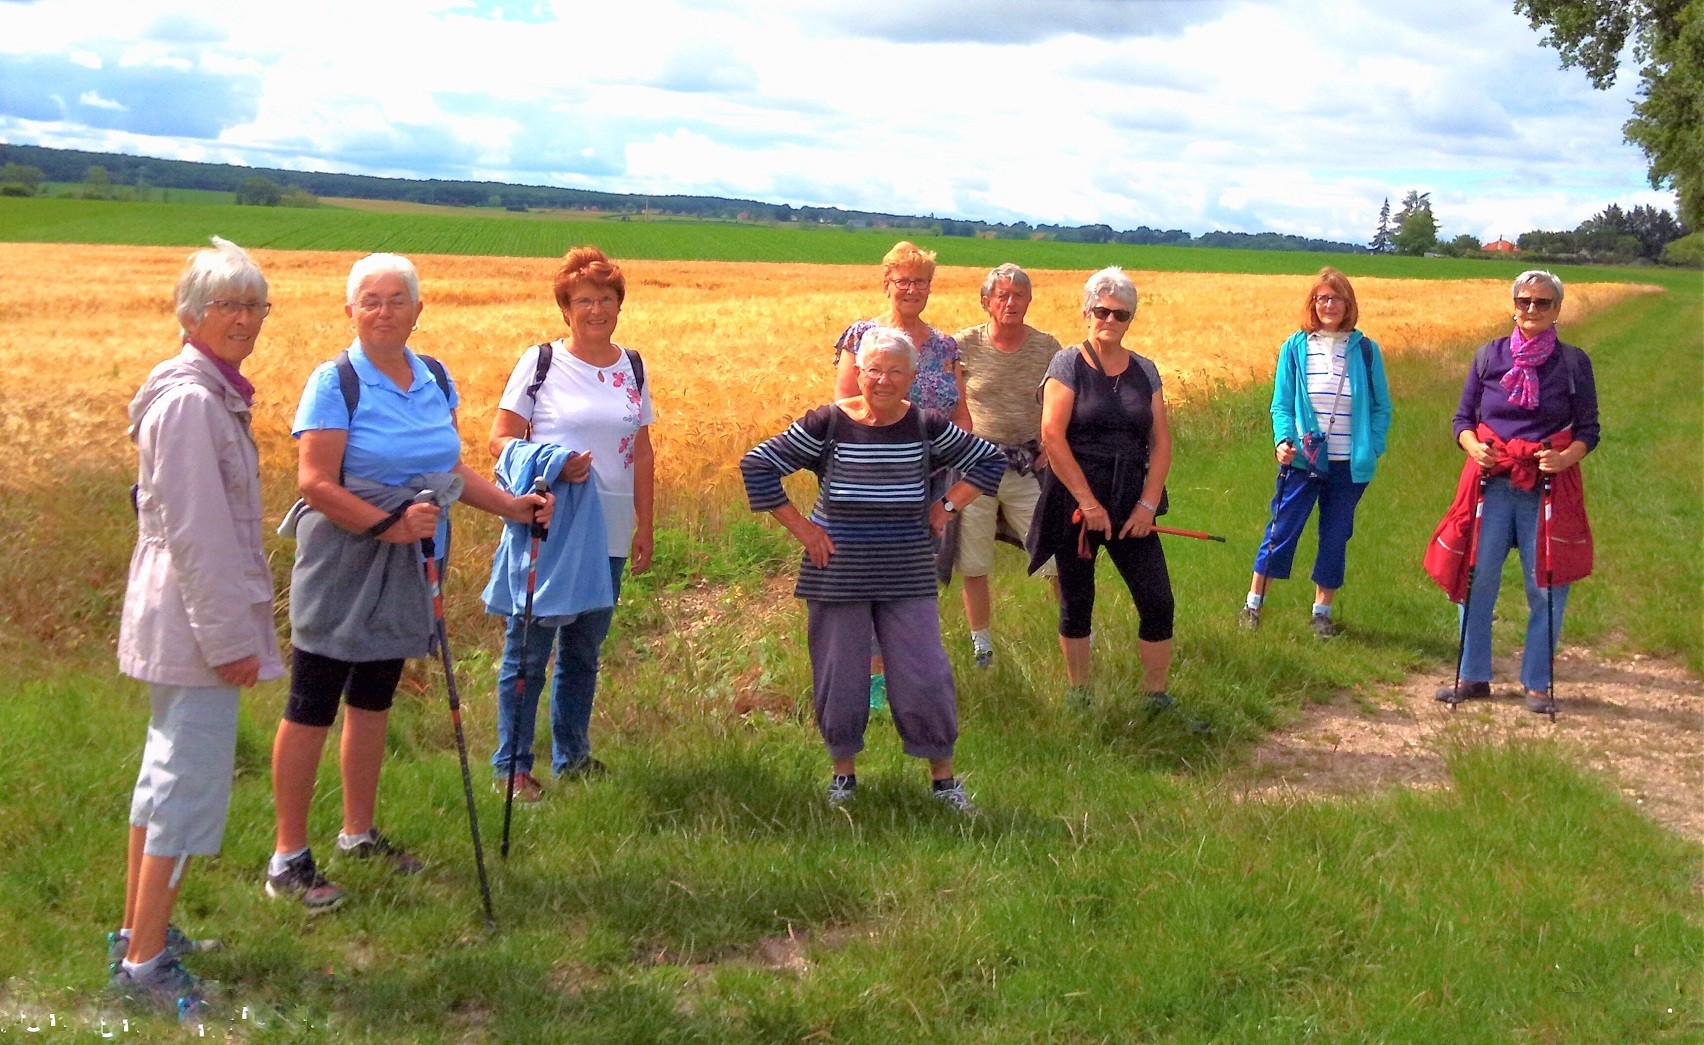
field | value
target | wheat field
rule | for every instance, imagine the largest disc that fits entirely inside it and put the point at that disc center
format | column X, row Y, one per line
column 733, row 351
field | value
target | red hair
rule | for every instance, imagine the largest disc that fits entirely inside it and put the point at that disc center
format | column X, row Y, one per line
column 1338, row 284
column 587, row 265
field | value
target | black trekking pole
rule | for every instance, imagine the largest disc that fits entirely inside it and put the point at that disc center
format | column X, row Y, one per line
column 536, row 533
column 429, row 546
column 1467, row 598
column 1549, row 600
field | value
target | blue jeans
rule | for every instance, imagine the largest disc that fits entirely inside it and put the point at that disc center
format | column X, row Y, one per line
column 1292, row 502
column 577, row 645
column 1510, row 519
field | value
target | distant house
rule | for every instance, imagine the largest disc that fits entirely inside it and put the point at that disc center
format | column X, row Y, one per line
column 1500, row 246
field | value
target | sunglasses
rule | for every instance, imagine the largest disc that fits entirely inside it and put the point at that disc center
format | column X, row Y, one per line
column 1102, row 313
column 1526, row 304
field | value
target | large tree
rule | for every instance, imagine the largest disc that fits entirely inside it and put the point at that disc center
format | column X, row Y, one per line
column 1416, row 228
column 1668, row 43
column 1381, row 242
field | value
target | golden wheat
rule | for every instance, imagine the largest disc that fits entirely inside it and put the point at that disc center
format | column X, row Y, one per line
column 733, row 351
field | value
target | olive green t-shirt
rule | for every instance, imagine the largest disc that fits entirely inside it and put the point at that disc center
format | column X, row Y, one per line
column 1000, row 386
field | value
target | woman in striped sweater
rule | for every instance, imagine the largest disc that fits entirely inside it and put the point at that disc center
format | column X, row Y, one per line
column 868, row 562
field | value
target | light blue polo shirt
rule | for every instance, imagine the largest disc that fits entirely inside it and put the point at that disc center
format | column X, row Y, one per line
column 395, row 435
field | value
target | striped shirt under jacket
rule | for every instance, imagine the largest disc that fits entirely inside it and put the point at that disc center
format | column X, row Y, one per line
column 872, row 496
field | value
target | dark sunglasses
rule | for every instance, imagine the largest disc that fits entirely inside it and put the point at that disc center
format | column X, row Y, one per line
column 1526, row 304
column 1102, row 313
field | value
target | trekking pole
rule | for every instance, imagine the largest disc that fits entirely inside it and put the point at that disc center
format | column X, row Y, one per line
column 428, row 545
column 1199, row 535
column 1549, row 597
column 536, row 534
column 1467, row 598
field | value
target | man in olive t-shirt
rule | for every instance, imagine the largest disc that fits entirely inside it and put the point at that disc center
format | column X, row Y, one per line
column 1003, row 362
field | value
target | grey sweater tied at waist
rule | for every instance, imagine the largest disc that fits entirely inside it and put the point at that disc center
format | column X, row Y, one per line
column 357, row 598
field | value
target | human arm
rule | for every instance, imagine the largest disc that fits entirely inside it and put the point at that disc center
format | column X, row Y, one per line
column 818, row 545
column 1285, row 436
column 1381, row 403
column 319, row 462
column 763, row 467
column 644, row 490
column 480, row 492
column 1057, row 400
column 846, row 375
column 1141, row 521
column 961, row 410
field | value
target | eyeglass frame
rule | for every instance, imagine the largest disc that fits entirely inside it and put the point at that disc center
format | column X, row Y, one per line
column 1102, row 313
column 1524, row 303
column 227, row 307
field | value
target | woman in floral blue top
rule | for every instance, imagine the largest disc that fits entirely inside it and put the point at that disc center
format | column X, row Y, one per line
column 906, row 273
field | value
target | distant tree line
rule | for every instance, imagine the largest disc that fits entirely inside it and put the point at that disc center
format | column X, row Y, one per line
column 1613, row 236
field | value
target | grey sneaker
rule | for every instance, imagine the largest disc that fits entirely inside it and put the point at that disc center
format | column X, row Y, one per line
column 1324, row 627
column 953, row 797
column 377, row 845
column 1464, row 692
column 178, row 944
column 984, row 656
column 841, row 790
column 169, row 988
column 1540, row 702
column 1159, row 701
column 302, row 880
column 1249, row 618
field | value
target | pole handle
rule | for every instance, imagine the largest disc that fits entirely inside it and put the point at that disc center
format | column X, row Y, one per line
column 539, row 486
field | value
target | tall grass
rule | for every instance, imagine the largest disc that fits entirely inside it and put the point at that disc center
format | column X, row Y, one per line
column 1118, row 887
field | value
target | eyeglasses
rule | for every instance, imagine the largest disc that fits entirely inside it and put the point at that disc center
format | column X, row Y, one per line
column 398, row 303
column 885, row 375
column 1526, row 304
column 911, row 284
column 1102, row 313
column 232, row 308
column 1329, row 299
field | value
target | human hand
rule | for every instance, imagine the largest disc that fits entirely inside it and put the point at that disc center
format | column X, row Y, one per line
column 818, row 545
column 639, row 555
column 534, row 508
column 938, row 519
column 577, row 469
column 1480, row 453
column 1552, row 461
column 1140, row 523
column 1285, row 452
column 416, row 524
column 1095, row 517
column 240, row 673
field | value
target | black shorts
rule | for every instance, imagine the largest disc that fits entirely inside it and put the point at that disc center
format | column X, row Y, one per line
column 317, row 684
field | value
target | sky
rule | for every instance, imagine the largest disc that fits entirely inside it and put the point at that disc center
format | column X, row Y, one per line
column 1282, row 116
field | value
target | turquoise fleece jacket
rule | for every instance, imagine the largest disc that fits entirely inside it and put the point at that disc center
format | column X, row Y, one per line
column 1369, row 410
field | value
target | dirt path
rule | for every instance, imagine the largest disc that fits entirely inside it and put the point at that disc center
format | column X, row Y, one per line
column 1641, row 721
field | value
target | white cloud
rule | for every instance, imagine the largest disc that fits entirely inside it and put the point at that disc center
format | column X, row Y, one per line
column 95, row 101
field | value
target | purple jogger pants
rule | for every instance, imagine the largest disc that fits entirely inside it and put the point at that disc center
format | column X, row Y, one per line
column 919, row 677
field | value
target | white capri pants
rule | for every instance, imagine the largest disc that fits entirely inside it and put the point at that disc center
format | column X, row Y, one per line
column 183, row 792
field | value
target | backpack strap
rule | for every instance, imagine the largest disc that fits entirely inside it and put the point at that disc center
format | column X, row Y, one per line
column 542, row 370
column 638, row 365
column 349, row 382
column 439, row 374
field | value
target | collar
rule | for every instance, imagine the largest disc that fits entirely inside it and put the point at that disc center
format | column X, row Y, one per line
column 371, row 375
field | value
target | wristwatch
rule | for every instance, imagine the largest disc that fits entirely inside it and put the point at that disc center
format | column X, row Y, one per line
column 948, row 506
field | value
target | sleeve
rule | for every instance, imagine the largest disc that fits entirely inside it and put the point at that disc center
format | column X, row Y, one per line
column 1585, row 400
column 1381, row 397
column 1467, row 410
column 515, row 398
column 982, row 463
column 949, row 349
column 183, row 434
column 322, row 405
column 1153, row 372
column 1284, row 394
column 1062, row 369
column 766, row 464
column 848, row 340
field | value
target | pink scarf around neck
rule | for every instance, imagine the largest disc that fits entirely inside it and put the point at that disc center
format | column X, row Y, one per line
column 1529, row 354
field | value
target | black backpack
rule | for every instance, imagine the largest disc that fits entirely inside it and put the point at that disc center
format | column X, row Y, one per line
column 547, row 350
column 349, row 383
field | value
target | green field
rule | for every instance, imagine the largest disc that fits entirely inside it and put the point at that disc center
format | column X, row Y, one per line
column 512, row 235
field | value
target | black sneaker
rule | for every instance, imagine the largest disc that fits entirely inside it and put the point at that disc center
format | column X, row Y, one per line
column 168, row 988
column 841, row 790
column 178, row 944
column 587, row 768
column 376, row 845
column 302, row 880
column 1464, row 692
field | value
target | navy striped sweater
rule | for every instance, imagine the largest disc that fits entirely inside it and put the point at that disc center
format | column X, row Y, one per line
column 872, row 498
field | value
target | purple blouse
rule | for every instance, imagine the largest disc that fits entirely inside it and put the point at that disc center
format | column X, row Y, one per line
column 1565, row 400
column 934, row 387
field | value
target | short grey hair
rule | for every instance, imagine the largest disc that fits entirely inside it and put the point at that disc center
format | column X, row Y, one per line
column 887, row 341
column 1007, row 273
column 1550, row 279
column 380, row 265
column 224, row 268
column 1109, row 282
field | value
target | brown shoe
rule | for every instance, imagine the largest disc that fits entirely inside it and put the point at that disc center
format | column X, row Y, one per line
column 527, row 787
column 1464, row 692
column 1324, row 627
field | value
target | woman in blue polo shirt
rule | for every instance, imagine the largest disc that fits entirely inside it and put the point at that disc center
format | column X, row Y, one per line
column 377, row 426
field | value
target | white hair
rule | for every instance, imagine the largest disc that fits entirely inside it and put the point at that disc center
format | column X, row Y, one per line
column 1007, row 273
column 223, row 268
column 1110, row 282
column 381, row 265
column 887, row 341
column 1550, row 279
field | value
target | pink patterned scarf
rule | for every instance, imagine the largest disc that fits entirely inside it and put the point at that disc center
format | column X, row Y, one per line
column 1522, row 379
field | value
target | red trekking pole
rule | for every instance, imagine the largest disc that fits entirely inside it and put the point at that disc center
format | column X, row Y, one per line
column 536, row 533
column 429, row 547
column 1199, row 535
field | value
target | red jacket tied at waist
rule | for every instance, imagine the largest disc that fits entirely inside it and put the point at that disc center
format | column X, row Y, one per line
column 1564, row 554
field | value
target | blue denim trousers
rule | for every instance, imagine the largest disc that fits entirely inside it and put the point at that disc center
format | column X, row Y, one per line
column 1293, row 501
column 1509, row 519
column 577, row 645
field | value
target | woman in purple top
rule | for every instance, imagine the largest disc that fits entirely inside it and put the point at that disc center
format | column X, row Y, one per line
column 1522, row 390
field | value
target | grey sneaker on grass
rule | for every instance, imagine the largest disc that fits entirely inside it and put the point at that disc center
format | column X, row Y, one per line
column 1249, row 618
column 377, row 846
column 841, row 790
column 1324, row 627
column 167, row 988
column 953, row 797
column 178, row 944
column 301, row 880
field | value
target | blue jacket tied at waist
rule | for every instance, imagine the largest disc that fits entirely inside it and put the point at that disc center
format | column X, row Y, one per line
column 573, row 560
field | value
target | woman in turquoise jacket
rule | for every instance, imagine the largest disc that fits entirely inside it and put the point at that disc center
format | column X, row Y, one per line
column 1330, row 416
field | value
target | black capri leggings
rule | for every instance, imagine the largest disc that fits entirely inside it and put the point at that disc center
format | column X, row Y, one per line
column 1141, row 562
column 317, row 683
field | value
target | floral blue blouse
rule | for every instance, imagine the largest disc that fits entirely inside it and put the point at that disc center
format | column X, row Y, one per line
column 935, row 387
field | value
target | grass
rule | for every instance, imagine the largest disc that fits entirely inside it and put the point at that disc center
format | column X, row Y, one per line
column 1116, row 888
